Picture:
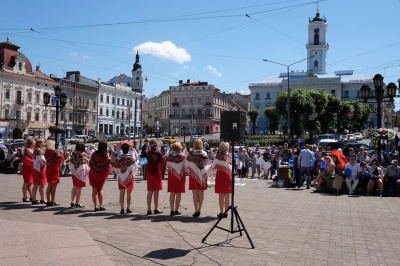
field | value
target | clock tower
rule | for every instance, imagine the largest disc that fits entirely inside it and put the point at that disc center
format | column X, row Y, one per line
column 317, row 46
column 137, row 81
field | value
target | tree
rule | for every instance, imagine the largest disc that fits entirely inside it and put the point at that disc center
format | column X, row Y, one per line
column 253, row 115
column 273, row 119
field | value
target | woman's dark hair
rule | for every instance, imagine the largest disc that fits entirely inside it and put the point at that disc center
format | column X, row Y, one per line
column 80, row 146
column 125, row 148
column 102, row 148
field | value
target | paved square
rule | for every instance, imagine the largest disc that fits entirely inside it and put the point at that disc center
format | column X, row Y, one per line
column 287, row 227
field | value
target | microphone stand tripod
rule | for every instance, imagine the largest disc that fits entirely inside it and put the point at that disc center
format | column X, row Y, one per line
column 234, row 213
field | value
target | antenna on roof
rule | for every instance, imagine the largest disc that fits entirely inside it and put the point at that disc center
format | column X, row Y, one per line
column 7, row 37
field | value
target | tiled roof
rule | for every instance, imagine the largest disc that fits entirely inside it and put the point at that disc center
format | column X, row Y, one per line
column 40, row 75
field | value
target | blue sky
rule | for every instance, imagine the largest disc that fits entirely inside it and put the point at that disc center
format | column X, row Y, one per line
column 203, row 40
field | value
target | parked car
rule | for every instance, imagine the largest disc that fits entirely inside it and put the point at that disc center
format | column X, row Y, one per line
column 169, row 140
column 193, row 137
column 325, row 142
column 358, row 136
column 326, row 136
column 16, row 143
column 350, row 137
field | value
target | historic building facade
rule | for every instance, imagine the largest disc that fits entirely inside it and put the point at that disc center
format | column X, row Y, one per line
column 21, row 95
column 343, row 84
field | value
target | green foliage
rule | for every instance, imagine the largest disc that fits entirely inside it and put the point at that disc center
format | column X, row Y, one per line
column 273, row 118
column 332, row 112
column 253, row 115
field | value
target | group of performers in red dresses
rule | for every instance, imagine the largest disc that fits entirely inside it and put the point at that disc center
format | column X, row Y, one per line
column 41, row 167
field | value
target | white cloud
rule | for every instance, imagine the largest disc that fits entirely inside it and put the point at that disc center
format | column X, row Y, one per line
column 166, row 50
column 85, row 57
column 214, row 71
column 73, row 54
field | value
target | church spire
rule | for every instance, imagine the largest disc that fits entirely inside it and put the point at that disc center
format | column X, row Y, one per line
column 137, row 64
column 317, row 45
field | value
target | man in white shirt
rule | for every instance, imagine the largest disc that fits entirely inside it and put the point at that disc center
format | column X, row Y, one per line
column 355, row 173
column 305, row 163
column 90, row 150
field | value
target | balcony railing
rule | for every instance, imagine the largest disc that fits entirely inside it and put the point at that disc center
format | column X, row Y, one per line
column 81, row 108
column 175, row 104
column 19, row 102
column 207, row 104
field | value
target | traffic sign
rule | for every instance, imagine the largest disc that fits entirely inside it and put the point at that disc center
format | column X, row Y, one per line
column 350, row 115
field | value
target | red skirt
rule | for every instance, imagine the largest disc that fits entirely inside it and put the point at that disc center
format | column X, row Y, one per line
column 77, row 182
column 194, row 185
column 154, row 182
column 223, row 182
column 27, row 173
column 130, row 185
column 97, row 180
column 176, row 185
column 53, row 174
column 39, row 178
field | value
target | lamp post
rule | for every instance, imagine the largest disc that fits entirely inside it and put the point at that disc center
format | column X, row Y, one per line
column 288, row 89
column 61, row 101
column 379, row 97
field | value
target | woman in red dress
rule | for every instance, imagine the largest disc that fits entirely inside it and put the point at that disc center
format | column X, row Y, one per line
column 156, row 163
column 100, row 167
column 27, row 169
column 54, row 160
column 78, row 165
column 223, row 177
column 125, row 167
column 176, row 177
column 39, row 172
column 198, row 166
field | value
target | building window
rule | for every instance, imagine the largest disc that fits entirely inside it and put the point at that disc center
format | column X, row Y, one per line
column 257, row 96
column 183, row 111
column 69, row 116
column 208, row 111
column 107, row 112
column 29, row 98
column 191, row 98
column 199, row 99
column 45, row 117
column 316, row 63
column 183, row 99
column 87, row 104
column 117, row 114
column 101, row 98
column 6, row 113
column 94, row 104
column 113, row 100
column 52, row 118
column 37, row 98
column 62, row 116
column 112, row 113
column 28, row 116
column 127, row 102
column 333, row 92
column 268, row 95
column 199, row 111
column 70, row 101
column 108, row 99
column 101, row 111
column 208, row 99
column 123, row 101
column 19, row 97
column 316, row 37
column 93, row 119
column 257, row 106
column 176, row 99
column 175, row 111
column 7, row 94
column 37, row 116
column 118, row 99
column 123, row 115
column 346, row 94
column 20, row 66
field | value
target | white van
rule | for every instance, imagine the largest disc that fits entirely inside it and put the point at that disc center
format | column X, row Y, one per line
column 81, row 138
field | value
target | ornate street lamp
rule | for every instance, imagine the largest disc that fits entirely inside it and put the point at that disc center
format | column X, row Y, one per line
column 60, row 103
column 365, row 92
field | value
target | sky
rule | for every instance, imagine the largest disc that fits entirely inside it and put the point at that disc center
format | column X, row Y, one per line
column 222, row 42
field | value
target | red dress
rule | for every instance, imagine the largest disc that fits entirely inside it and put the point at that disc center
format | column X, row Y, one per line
column 223, row 182
column 156, row 163
column 27, row 166
column 223, row 176
column 54, row 160
column 195, row 185
column 125, row 167
column 175, row 184
column 78, row 165
column 100, row 167
column 39, row 168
